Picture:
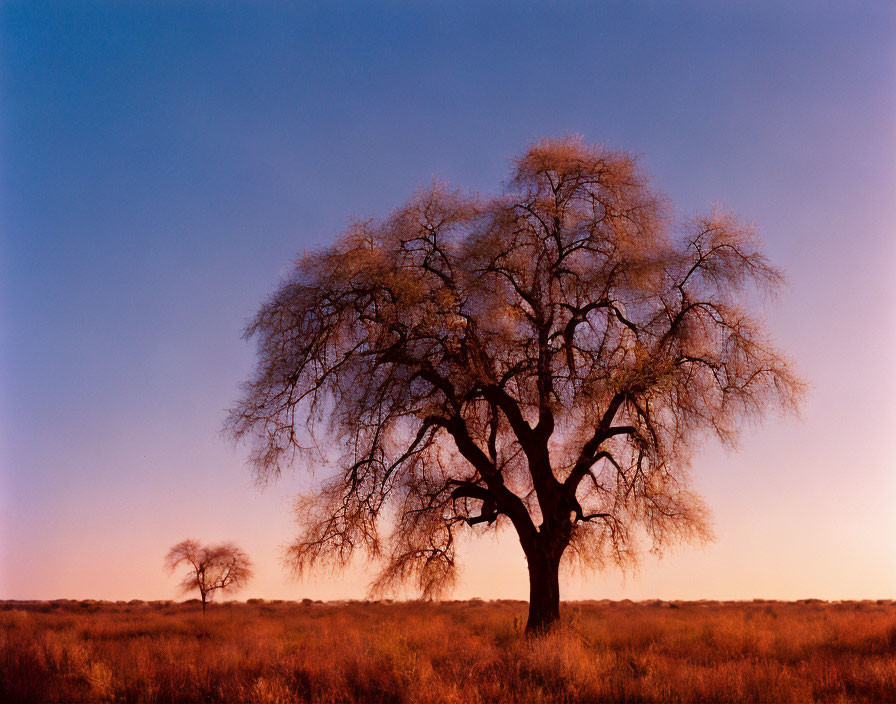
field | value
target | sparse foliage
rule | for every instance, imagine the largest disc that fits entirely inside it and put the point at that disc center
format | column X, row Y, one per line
column 547, row 359
column 210, row 568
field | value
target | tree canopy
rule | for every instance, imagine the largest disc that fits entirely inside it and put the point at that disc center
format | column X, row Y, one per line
column 546, row 358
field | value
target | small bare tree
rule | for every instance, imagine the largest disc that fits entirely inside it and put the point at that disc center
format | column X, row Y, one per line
column 545, row 359
column 210, row 568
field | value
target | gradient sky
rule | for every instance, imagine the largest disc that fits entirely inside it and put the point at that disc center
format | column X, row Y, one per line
column 162, row 163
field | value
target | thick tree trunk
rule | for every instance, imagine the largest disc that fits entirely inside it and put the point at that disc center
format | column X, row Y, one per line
column 544, row 593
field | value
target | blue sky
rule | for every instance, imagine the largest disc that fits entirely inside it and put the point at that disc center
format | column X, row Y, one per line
column 162, row 163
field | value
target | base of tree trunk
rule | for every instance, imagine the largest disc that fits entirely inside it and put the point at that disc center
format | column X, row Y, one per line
column 544, row 596
column 542, row 621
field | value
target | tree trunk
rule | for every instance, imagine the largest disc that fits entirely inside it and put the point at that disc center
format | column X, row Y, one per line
column 544, row 593
column 203, row 604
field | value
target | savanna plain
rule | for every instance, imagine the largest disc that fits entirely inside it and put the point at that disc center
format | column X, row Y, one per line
column 462, row 651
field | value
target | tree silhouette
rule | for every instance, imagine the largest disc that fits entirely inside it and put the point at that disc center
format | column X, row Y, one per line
column 211, row 568
column 546, row 359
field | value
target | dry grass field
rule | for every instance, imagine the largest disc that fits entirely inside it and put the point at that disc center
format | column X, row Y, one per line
column 69, row 651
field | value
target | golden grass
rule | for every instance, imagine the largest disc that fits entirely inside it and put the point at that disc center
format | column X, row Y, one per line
column 457, row 652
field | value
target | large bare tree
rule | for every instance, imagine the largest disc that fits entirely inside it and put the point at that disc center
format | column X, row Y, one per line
column 546, row 359
column 210, row 568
